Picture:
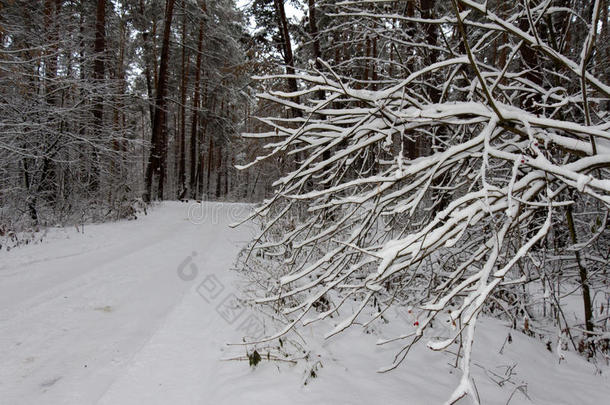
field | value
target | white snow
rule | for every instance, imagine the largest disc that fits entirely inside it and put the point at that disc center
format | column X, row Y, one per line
column 105, row 318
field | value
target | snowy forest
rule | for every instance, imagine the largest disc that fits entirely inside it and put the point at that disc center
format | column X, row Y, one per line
column 420, row 171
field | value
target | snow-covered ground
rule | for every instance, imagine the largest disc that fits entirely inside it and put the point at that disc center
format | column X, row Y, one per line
column 139, row 312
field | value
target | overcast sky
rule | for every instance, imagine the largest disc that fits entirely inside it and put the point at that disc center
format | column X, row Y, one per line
column 291, row 11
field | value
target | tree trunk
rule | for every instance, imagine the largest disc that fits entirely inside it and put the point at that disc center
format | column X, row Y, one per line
column 430, row 30
column 99, row 72
column 99, row 50
column 317, row 54
column 47, row 180
column 183, row 88
column 287, row 48
column 530, row 60
column 158, row 144
column 219, row 164
column 313, row 30
column 210, row 162
column 586, row 294
column 119, row 114
column 195, row 113
column 200, row 151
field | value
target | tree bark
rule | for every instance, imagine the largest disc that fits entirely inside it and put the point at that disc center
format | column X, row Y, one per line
column 313, row 30
column 430, row 30
column 158, row 144
column 99, row 72
column 586, row 293
column 317, row 54
column 529, row 58
column 287, row 48
column 195, row 112
column 210, row 162
column 219, row 164
column 47, row 179
column 183, row 88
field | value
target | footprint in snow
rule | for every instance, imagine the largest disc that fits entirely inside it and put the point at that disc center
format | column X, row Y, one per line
column 50, row 383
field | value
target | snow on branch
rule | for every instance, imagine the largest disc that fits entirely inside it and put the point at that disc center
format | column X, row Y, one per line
column 431, row 188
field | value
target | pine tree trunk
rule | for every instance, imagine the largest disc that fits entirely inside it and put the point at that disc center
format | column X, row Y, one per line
column 427, row 12
column 183, row 88
column 287, row 48
column 317, row 54
column 157, row 155
column 47, row 181
column 193, row 147
column 99, row 71
column 200, row 140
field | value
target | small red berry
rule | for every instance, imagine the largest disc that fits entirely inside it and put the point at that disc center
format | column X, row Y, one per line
column 522, row 160
column 416, row 323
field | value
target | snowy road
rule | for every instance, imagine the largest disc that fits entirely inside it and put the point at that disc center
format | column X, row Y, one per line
column 80, row 313
column 113, row 317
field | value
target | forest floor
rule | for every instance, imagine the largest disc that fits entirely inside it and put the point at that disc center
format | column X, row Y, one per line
column 139, row 312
